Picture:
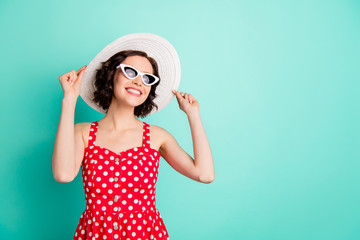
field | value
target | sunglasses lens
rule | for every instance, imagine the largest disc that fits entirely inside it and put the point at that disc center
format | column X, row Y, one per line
column 148, row 79
column 130, row 72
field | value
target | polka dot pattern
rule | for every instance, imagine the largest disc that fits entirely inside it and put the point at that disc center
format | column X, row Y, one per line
column 120, row 192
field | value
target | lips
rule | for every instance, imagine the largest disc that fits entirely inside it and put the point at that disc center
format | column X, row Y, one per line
column 133, row 91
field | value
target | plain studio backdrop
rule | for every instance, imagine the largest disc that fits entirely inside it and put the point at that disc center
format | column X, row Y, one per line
column 278, row 87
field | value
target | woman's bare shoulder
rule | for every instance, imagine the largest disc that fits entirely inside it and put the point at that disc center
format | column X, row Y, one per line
column 84, row 128
column 159, row 133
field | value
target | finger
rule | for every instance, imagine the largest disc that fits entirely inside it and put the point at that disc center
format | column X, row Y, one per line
column 187, row 96
column 80, row 69
column 81, row 76
column 178, row 96
column 73, row 77
column 191, row 97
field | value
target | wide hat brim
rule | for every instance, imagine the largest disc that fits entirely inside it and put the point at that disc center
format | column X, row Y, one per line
column 156, row 47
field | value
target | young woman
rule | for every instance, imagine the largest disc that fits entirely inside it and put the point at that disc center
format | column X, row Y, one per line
column 119, row 154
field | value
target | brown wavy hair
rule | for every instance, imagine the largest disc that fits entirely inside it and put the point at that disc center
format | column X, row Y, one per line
column 104, row 83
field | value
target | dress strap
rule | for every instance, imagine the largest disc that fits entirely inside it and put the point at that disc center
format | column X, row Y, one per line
column 92, row 134
column 146, row 135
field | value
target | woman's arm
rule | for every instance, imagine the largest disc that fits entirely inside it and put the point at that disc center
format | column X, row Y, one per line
column 201, row 168
column 68, row 146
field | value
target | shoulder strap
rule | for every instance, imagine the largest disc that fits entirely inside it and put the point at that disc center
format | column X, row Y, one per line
column 92, row 134
column 146, row 135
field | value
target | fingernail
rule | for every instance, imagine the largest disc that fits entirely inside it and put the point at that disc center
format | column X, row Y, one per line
column 173, row 91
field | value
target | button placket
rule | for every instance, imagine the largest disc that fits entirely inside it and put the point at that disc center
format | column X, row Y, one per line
column 116, row 183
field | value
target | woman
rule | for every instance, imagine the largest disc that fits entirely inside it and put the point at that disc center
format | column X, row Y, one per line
column 119, row 162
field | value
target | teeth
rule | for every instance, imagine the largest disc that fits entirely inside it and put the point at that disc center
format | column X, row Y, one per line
column 133, row 91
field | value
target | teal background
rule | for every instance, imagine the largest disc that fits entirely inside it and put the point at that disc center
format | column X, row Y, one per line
column 278, row 87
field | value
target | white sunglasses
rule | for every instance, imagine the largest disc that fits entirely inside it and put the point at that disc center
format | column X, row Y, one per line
column 131, row 73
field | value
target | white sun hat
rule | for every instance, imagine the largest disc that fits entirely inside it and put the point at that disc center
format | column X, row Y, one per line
column 156, row 47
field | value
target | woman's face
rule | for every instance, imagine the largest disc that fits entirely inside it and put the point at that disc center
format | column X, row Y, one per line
column 132, row 91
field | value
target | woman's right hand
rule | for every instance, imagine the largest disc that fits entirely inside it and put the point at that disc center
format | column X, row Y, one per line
column 71, row 82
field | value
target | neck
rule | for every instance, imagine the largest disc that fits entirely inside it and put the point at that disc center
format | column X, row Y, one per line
column 119, row 117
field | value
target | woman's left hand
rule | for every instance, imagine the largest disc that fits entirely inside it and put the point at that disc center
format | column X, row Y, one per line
column 187, row 102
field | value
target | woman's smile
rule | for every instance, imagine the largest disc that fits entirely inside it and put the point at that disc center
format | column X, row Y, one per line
column 133, row 91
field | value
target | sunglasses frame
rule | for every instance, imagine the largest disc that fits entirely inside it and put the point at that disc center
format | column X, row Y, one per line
column 122, row 66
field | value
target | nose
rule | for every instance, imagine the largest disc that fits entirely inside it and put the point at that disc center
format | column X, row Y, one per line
column 138, row 80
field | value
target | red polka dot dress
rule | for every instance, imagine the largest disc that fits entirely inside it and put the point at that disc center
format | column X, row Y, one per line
column 120, row 192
